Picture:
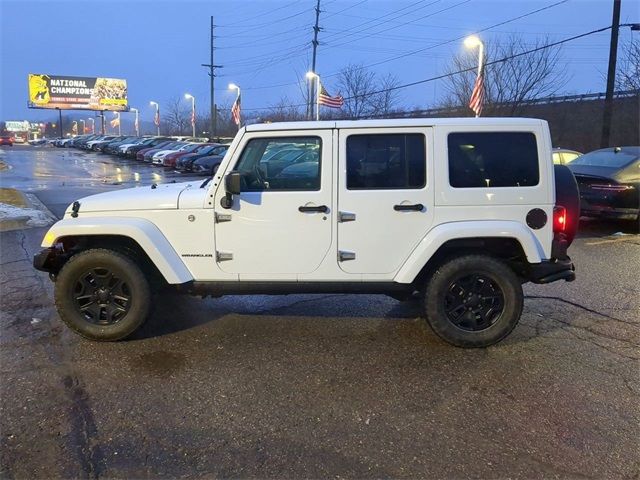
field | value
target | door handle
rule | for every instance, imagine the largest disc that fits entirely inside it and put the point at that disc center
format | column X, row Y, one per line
column 418, row 207
column 321, row 208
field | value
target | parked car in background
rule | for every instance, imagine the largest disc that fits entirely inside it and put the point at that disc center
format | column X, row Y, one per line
column 112, row 147
column 207, row 165
column 123, row 147
column 6, row 140
column 133, row 151
column 82, row 142
column 171, row 158
column 158, row 157
column 94, row 143
column 148, row 155
column 185, row 163
column 609, row 181
column 563, row 156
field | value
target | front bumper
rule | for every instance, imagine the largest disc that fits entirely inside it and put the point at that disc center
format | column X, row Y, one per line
column 50, row 260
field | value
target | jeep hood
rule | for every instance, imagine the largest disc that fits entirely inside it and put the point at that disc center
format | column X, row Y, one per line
column 155, row 197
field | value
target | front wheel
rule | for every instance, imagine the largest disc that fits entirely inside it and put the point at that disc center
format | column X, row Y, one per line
column 473, row 301
column 102, row 295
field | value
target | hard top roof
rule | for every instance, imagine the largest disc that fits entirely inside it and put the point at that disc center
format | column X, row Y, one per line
column 400, row 122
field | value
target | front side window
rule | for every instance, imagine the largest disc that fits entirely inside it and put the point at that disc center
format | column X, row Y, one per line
column 493, row 159
column 285, row 163
column 386, row 161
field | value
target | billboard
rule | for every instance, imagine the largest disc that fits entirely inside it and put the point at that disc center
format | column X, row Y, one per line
column 77, row 93
column 16, row 126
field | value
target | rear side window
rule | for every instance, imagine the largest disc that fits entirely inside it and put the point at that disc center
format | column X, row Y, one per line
column 493, row 159
column 386, row 161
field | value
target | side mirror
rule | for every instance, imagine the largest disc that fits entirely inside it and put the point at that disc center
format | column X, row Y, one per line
column 232, row 183
column 232, row 187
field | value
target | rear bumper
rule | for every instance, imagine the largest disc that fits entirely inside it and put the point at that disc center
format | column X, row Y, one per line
column 552, row 270
column 609, row 212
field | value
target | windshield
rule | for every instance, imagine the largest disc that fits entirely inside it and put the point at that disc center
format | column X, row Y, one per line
column 189, row 148
column 607, row 158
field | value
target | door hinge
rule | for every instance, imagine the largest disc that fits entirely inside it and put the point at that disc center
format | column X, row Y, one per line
column 223, row 256
column 346, row 217
column 222, row 217
column 345, row 256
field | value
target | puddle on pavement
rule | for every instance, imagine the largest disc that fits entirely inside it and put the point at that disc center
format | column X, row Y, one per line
column 159, row 363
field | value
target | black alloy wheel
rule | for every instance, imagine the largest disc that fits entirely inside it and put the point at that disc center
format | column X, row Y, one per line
column 101, row 296
column 474, row 302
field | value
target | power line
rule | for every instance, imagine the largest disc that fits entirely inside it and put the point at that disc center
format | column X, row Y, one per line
column 458, row 72
column 261, row 15
column 402, row 24
column 406, row 54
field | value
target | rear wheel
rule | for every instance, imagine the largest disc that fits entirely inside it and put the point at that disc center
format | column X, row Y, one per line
column 102, row 295
column 473, row 301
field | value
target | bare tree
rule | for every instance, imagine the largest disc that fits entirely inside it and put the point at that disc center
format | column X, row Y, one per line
column 356, row 84
column 520, row 77
column 628, row 76
column 387, row 97
column 178, row 116
column 284, row 111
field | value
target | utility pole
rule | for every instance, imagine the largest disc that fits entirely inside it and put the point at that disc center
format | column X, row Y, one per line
column 611, row 76
column 213, row 120
column 316, row 30
column 60, row 121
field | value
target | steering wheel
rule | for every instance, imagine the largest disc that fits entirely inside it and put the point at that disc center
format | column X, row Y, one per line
column 262, row 181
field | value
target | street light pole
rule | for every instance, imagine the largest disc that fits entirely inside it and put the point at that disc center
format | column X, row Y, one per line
column 473, row 42
column 193, row 113
column 136, row 124
column 83, row 125
column 156, row 119
column 119, row 130
column 60, row 121
column 93, row 125
column 314, row 76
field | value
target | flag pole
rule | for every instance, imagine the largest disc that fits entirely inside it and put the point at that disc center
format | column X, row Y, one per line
column 480, row 64
column 317, row 97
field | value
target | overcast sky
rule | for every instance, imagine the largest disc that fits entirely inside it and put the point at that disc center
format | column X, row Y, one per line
column 158, row 46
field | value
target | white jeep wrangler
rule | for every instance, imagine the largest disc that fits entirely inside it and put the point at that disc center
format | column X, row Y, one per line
column 461, row 212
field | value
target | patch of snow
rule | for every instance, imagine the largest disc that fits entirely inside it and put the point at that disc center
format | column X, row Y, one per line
column 34, row 218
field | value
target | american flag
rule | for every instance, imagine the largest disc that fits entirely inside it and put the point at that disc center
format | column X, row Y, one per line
column 116, row 121
column 327, row 100
column 235, row 110
column 156, row 117
column 477, row 96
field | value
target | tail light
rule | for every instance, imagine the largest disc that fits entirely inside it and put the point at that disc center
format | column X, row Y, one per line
column 559, row 219
column 612, row 188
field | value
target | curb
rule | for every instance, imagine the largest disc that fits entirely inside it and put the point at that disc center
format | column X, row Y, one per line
column 19, row 200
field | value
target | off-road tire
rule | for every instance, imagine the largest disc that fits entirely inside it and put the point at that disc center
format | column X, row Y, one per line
column 74, row 274
column 499, row 277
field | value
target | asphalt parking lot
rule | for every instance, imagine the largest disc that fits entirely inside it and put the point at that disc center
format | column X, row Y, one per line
column 314, row 385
